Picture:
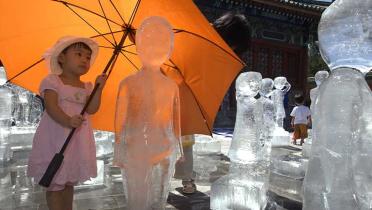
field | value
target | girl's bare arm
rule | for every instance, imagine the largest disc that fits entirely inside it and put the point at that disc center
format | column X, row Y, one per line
column 95, row 103
column 53, row 109
column 96, row 100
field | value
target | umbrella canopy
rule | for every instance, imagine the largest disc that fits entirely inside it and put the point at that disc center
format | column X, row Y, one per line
column 202, row 64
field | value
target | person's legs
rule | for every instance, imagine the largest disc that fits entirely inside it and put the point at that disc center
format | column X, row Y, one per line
column 68, row 196
column 184, row 171
column 54, row 197
column 296, row 134
column 303, row 130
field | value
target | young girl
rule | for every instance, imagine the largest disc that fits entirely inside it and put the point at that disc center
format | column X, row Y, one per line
column 65, row 95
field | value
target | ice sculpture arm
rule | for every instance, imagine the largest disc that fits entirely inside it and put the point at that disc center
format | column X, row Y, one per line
column 120, row 124
column 177, row 121
column 287, row 87
column 268, row 95
column 121, row 112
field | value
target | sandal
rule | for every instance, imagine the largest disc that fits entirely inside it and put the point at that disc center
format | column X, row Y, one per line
column 188, row 187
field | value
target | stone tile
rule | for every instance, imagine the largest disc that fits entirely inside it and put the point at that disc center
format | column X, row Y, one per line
column 17, row 193
column 96, row 203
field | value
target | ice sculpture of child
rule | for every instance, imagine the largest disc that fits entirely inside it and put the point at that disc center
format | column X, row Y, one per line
column 248, row 117
column 266, row 90
column 320, row 77
column 339, row 174
column 282, row 86
column 147, row 121
column 246, row 184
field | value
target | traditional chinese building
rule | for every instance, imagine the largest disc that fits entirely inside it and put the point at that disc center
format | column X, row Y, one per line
column 283, row 33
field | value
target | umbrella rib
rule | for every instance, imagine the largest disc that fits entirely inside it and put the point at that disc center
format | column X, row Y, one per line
column 108, row 24
column 175, row 67
column 197, row 35
column 129, row 52
column 85, row 9
column 129, row 60
column 132, row 16
column 104, row 34
column 106, row 47
column 129, row 45
column 90, row 25
column 34, row 64
column 121, row 17
column 197, row 102
column 122, row 50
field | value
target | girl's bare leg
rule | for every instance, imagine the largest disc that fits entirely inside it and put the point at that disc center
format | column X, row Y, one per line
column 68, row 196
column 55, row 200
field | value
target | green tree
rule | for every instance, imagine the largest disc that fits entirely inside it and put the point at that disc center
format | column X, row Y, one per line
column 316, row 64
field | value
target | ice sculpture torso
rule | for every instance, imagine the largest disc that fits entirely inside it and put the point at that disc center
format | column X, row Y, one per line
column 339, row 171
column 151, row 101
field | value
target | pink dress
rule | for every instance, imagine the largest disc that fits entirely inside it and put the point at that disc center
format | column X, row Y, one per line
column 79, row 162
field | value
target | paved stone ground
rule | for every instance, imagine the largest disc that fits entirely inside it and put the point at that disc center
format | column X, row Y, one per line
column 18, row 192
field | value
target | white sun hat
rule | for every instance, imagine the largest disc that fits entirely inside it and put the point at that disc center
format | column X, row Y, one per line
column 51, row 55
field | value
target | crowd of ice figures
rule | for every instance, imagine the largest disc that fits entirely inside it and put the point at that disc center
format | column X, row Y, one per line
column 258, row 119
column 17, row 105
column 339, row 173
column 18, row 108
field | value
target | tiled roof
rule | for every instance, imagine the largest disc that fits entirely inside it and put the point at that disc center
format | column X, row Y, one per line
column 308, row 7
column 304, row 5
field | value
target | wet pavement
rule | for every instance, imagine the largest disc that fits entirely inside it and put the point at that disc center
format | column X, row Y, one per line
column 106, row 192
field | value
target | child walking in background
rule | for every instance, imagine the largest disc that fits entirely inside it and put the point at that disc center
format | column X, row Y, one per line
column 65, row 95
column 301, row 118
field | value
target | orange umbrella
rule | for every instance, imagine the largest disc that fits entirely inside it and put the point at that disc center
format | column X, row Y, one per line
column 202, row 64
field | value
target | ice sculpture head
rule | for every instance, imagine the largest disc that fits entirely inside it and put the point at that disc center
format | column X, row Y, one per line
column 248, row 83
column 345, row 35
column 154, row 42
column 280, row 83
column 320, row 76
column 267, row 86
